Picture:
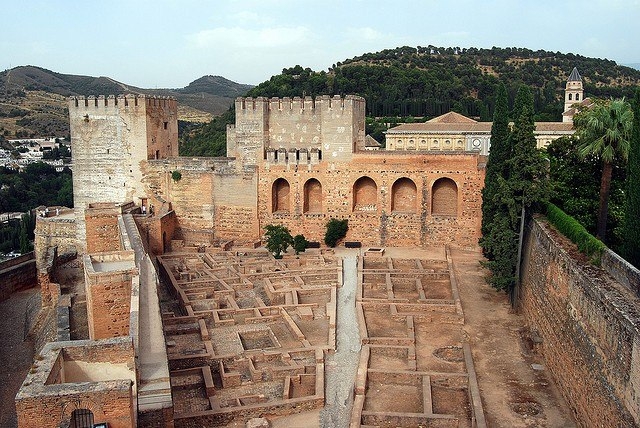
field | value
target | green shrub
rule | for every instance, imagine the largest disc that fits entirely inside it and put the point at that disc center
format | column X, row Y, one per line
column 300, row 243
column 176, row 176
column 278, row 239
column 336, row 230
column 569, row 227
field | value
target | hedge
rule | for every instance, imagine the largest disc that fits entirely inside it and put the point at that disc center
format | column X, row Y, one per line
column 569, row 227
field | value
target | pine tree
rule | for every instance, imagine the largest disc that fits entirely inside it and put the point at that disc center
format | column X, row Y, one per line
column 496, row 164
column 631, row 244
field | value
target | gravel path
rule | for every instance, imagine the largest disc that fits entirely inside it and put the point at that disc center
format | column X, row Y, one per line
column 341, row 367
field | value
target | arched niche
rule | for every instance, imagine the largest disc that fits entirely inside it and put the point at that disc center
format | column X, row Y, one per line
column 444, row 197
column 404, row 195
column 365, row 195
column 312, row 196
column 280, row 195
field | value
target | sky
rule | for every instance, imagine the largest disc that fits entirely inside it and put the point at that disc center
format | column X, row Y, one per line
column 170, row 43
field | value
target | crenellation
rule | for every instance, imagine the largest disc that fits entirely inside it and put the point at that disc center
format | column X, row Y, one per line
column 121, row 100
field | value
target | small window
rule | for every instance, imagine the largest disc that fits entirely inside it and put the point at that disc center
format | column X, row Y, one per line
column 577, row 97
column 165, row 125
column 570, row 97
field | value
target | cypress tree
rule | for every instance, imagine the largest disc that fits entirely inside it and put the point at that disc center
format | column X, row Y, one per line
column 524, row 184
column 496, row 164
column 631, row 228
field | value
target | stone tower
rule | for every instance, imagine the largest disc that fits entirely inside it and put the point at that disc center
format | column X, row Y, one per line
column 296, row 130
column 111, row 139
column 574, row 92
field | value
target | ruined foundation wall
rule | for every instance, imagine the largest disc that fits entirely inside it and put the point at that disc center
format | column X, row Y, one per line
column 589, row 331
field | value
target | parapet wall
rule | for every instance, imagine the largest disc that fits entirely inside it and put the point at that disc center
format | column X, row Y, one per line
column 17, row 273
column 590, row 330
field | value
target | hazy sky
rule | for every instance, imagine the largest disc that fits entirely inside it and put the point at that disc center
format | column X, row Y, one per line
column 169, row 43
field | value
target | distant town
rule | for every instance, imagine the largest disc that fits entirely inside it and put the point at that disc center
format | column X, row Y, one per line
column 55, row 151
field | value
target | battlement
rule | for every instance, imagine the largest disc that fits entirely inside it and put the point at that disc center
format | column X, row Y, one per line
column 298, row 103
column 122, row 100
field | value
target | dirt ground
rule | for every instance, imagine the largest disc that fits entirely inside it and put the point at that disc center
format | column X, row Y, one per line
column 516, row 389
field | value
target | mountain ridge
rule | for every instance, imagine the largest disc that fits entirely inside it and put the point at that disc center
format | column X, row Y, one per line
column 33, row 98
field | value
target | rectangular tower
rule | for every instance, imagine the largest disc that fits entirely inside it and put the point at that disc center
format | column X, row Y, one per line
column 110, row 139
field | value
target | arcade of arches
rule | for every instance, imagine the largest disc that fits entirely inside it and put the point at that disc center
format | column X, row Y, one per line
column 404, row 196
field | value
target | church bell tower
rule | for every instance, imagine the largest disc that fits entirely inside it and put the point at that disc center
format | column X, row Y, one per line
column 574, row 92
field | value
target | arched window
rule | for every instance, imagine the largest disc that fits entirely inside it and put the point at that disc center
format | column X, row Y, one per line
column 280, row 195
column 403, row 195
column 365, row 195
column 444, row 197
column 312, row 196
column 570, row 95
column 81, row 418
column 577, row 97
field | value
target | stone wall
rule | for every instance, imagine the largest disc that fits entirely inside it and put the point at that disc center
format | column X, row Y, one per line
column 55, row 231
column 589, row 328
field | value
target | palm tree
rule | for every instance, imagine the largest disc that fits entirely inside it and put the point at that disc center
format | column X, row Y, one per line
column 604, row 130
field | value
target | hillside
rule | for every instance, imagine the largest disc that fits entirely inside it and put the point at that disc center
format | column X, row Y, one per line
column 33, row 99
column 429, row 81
column 406, row 83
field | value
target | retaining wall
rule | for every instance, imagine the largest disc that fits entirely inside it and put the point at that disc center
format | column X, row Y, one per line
column 588, row 324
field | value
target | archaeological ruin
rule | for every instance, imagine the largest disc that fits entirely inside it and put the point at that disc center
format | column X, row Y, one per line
column 165, row 309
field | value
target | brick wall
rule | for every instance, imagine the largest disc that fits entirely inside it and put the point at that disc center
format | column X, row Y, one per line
column 103, row 233
column 375, row 222
column 109, row 278
column 589, row 329
column 46, row 399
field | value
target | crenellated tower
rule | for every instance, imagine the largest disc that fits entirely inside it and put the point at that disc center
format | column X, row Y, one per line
column 111, row 138
column 297, row 130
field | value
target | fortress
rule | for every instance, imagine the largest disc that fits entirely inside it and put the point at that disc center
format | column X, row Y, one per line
column 296, row 162
column 248, row 335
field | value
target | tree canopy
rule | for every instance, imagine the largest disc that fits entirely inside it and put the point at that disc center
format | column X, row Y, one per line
column 631, row 230
column 278, row 239
column 604, row 129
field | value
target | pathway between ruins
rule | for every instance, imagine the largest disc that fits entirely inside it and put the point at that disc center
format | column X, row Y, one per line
column 341, row 367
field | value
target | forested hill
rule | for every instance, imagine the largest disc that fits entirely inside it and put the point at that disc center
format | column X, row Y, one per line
column 429, row 81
